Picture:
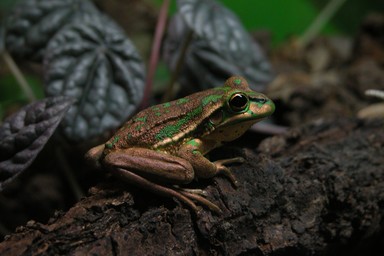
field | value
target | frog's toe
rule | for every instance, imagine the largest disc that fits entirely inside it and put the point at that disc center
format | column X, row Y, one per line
column 201, row 200
column 227, row 172
column 193, row 191
column 221, row 168
column 234, row 160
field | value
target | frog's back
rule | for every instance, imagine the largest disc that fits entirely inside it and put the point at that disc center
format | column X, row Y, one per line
column 168, row 124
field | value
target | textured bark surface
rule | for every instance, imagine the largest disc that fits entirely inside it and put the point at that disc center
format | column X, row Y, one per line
column 318, row 189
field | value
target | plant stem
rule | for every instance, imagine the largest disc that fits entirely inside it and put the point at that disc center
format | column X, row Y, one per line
column 179, row 64
column 3, row 230
column 68, row 173
column 325, row 15
column 155, row 53
column 25, row 87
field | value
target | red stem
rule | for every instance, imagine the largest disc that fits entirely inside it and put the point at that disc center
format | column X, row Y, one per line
column 155, row 53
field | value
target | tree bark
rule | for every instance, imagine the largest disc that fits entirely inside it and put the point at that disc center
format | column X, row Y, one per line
column 318, row 189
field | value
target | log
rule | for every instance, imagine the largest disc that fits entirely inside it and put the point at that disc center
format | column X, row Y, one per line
column 318, row 189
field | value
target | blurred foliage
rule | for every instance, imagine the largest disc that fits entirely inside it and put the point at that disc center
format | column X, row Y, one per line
column 11, row 95
column 285, row 18
column 220, row 47
column 291, row 18
column 282, row 18
column 351, row 14
column 6, row 3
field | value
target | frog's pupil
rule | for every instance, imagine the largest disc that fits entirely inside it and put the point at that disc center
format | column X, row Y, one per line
column 238, row 102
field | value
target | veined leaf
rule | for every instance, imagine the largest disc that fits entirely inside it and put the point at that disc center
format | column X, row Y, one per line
column 24, row 134
column 32, row 23
column 94, row 62
column 220, row 47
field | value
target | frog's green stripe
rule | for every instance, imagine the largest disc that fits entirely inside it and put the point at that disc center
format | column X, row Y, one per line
column 223, row 88
column 193, row 143
column 211, row 98
column 114, row 140
column 138, row 127
column 170, row 130
column 182, row 101
column 167, row 105
column 141, row 119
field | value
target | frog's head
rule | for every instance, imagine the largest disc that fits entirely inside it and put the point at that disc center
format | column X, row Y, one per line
column 241, row 107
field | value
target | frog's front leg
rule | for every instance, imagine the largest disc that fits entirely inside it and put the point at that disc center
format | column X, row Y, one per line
column 194, row 151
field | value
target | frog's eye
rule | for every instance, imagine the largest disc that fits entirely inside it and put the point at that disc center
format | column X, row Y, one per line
column 238, row 102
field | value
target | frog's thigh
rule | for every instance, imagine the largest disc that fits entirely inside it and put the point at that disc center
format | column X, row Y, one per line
column 153, row 165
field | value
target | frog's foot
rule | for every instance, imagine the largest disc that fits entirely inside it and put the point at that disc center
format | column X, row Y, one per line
column 200, row 199
column 198, row 195
column 154, row 187
column 221, row 168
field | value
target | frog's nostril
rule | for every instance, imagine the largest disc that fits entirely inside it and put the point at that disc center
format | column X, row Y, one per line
column 261, row 100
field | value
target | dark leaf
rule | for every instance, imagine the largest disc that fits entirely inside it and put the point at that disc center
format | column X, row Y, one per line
column 221, row 47
column 32, row 23
column 24, row 134
column 97, row 64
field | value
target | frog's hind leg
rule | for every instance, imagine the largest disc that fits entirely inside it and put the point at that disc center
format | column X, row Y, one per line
column 156, row 166
column 151, row 186
column 157, row 172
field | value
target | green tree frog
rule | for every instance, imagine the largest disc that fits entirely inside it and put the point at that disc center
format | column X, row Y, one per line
column 163, row 146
